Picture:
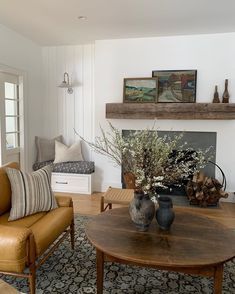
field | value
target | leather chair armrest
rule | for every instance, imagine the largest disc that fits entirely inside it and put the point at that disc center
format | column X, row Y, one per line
column 14, row 242
column 64, row 201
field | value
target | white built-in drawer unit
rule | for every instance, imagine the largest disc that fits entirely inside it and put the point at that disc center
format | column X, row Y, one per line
column 72, row 183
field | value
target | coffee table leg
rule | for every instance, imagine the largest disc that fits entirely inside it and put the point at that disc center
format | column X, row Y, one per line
column 218, row 279
column 99, row 271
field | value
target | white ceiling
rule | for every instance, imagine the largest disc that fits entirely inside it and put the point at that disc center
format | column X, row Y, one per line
column 55, row 22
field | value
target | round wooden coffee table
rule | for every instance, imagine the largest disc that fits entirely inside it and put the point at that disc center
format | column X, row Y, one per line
column 194, row 245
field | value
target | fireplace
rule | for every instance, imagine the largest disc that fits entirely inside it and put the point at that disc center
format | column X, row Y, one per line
column 195, row 141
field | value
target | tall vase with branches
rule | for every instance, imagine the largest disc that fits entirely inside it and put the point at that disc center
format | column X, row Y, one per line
column 150, row 161
column 149, row 158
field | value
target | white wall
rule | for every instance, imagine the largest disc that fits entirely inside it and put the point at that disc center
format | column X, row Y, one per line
column 211, row 55
column 97, row 73
column 23, row 55
column 65, row 112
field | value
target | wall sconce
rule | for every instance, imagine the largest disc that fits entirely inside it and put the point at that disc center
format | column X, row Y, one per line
column 66, row 84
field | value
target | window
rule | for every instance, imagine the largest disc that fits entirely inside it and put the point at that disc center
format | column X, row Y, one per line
column 12, row 124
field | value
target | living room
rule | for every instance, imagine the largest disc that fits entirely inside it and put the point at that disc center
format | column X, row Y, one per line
column 98, row 45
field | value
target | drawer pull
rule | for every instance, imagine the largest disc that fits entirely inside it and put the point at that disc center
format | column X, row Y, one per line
column 63, row 183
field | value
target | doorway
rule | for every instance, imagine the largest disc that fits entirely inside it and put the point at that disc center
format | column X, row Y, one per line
column 11, row 118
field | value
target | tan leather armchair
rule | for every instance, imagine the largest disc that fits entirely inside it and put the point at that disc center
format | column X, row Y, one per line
column 25, row 242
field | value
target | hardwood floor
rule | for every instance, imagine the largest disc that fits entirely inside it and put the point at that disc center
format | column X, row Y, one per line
column 86, row 204
column 90, row 205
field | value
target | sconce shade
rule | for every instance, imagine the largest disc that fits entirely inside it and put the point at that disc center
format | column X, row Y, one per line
column 66, row 84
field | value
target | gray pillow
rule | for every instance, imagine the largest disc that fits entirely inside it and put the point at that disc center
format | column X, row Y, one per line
column 46, row 148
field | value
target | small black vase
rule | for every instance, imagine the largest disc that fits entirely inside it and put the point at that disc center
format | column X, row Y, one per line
column 142, row 211
column 165, row 214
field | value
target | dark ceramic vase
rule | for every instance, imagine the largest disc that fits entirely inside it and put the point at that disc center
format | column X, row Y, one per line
column 142, row 211
column 165, row 214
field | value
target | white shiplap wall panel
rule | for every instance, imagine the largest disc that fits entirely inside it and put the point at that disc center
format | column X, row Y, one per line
column 79, row 89
column 65, row 112
column 61, row 97
column 45, row 91
column 88, row 90
column 88, row 94
column 70, row 98
column 52, row 91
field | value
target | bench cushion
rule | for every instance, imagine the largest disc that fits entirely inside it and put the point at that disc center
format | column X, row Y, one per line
column 71, row 167
column 38, row 165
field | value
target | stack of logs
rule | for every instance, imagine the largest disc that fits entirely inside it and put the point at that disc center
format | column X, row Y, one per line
column 204, row 191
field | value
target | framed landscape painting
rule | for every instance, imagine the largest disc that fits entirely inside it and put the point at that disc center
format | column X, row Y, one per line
column 140, row 90
column 176, row 85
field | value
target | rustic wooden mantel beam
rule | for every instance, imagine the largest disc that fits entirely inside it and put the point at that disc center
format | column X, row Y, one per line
column 170, row 111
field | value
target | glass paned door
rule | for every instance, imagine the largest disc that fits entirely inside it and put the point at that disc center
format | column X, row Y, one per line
column 10, row 118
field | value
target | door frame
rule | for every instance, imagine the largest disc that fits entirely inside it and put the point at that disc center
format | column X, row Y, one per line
column 22, row 75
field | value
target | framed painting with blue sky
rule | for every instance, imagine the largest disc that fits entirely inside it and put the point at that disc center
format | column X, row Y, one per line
column 140, row 90
column 176, row 85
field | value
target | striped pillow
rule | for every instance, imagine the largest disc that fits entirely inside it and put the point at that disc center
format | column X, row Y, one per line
column 31, row 193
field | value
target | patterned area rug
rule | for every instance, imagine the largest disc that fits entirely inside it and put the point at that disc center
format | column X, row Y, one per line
column 68, row 271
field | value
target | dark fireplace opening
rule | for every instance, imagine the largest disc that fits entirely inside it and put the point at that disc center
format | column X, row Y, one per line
column 179, row 188
column 195, row 141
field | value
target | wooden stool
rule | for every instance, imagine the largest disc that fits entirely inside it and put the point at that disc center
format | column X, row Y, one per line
column 116, row 196
column 6, row 288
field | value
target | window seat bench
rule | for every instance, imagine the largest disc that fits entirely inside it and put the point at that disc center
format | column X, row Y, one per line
column 71, row 177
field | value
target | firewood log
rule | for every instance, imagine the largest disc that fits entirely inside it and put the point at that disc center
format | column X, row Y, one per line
column 203, row 190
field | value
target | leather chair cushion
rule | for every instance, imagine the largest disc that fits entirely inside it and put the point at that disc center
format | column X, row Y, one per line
column 48, row 228
column 5, row 192
column 25, row 222
column 13, row 248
